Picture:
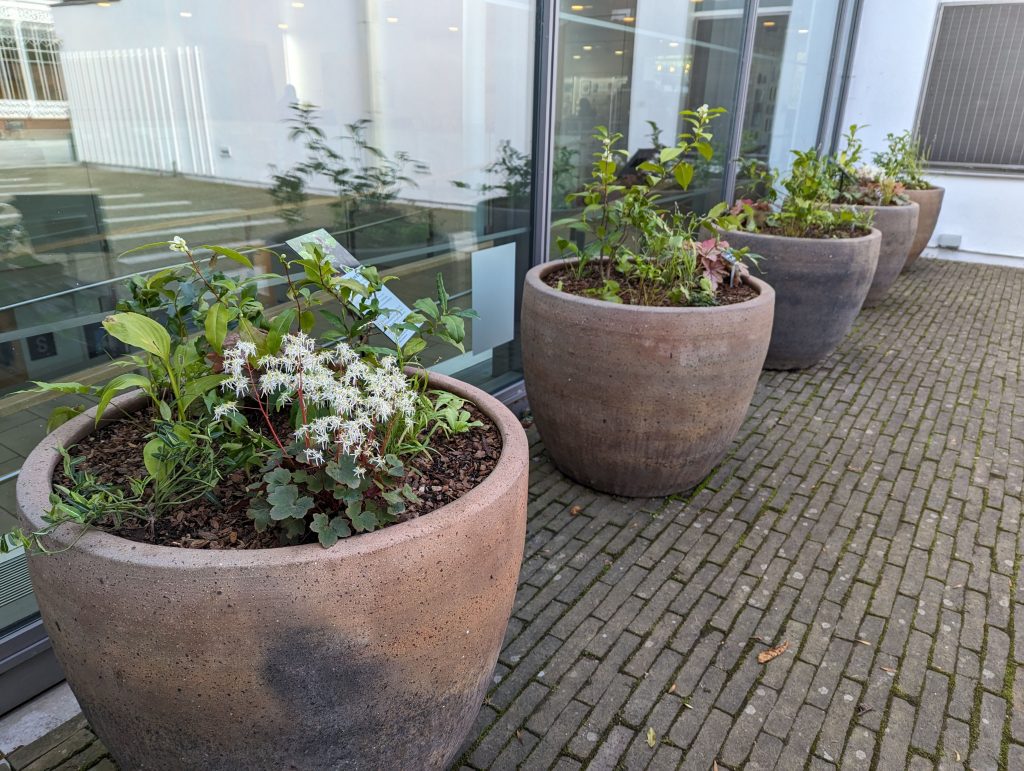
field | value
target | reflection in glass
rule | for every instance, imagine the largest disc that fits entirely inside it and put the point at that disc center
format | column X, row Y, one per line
column 788, row 76
column 633, row 69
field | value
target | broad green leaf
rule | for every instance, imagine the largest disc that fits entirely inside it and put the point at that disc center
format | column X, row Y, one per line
column 414, row 346
column 231, row 254
column 306, row 321
column 364, row 521
column 344, row 471
column 139, row 331
column 198, row 387
column 427, row 307
column 683, row 174
column 120, row 383
column 285, row 502
column 62, row 415
column 705, row 150
column 252, row 334
column 670, row 153
column 63, row 388
column 144, row 246
column 157, row 468
column 217, row 325
column 280, row 325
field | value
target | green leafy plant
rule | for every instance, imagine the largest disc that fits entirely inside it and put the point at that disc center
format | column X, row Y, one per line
column 635, row 248
column 319, row 425
column 799, row 204
column 904, row 160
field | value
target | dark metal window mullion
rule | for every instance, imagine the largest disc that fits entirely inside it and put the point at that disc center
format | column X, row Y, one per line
column 542, row 166
column 750, row 8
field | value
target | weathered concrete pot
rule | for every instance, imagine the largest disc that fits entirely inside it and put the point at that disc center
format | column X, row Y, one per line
column 635, row 400
column 930, row 203
column 820, row 285
column 898, row 224
column 375, row 653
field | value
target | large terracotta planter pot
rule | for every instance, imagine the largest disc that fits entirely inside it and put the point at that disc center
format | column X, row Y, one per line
column 820, row 285
column 375, row 653
column 635, row 400
column 898, row 224
column 930, row 203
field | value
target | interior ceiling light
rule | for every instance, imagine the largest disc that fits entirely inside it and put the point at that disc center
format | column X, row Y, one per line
column 588, row 48
column 282, row 26
column 103, row 5
column 298, row 5
column 576, row 56
column 802, row 31
column 629, row 19
column 673, row 44
column 619, row 53
column 391, row 20
column 453, row 29
column 184, row 14
column 769, row 24
column 576, row 7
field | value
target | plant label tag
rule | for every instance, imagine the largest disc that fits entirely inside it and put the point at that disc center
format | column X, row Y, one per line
column 392, row 311
column 339, row 255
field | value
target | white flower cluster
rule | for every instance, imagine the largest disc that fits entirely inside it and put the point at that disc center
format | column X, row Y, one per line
column 868, row 172
column 360, row 398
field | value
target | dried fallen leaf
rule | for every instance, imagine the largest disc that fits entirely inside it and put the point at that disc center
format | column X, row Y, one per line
column 957, row 756
column 672, row 689
column 890, row 670
column 864, row 642
column 765, row 656
column 652, row 738
column 575, row 510
column 714, row 765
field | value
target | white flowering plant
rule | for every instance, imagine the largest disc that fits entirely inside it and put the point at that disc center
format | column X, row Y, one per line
column 322, row 428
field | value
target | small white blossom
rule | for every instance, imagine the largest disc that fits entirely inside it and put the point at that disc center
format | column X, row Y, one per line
column 223, row 409
column 178, row 244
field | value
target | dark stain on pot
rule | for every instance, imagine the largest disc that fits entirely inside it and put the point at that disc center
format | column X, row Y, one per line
column 314, row 671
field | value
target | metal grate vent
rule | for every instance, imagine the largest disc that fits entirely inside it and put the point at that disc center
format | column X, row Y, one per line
column 972, row 110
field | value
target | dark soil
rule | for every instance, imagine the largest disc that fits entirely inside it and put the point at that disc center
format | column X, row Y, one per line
column 113, row 453
column 816, row 232
column 567, row 281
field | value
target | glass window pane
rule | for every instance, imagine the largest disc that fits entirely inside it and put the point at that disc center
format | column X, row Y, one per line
column 633, row 68
column 788, row 78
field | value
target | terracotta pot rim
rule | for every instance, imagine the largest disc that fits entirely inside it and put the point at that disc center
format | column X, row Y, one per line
column 836, row 204
column 875, row 234
column 34, row 485
column 932, row 189
column 765, row 295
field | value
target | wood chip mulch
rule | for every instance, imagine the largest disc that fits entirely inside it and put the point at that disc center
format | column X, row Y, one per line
column 113, row 453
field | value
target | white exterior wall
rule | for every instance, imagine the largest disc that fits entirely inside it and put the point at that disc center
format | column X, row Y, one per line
column 887, row 79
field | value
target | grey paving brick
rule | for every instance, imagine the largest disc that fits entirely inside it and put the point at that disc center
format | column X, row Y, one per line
column 929, row 716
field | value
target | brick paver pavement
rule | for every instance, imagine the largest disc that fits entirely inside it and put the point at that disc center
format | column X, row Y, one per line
column 869, row 514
